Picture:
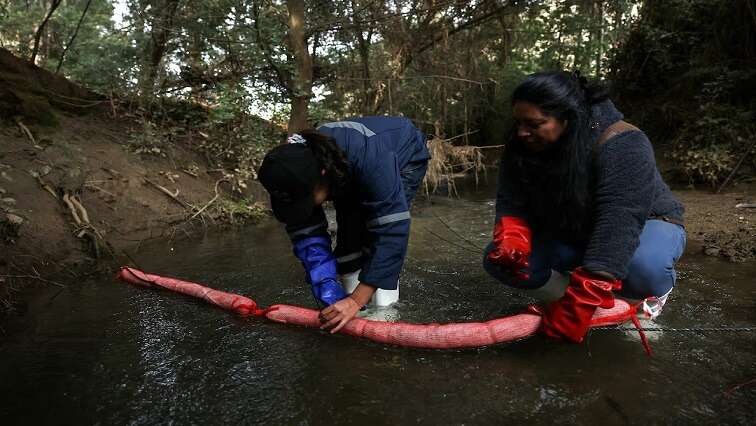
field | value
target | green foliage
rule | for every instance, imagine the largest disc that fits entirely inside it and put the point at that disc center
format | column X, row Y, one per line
column 244, row 210
column 462, row 82
column 101, row 56
column 688, row 66
column 18, row 20
column 206, row 67
column 237, row 146
column 707, row 148
column 151, row 140
column 709, row 165
column 570, row 35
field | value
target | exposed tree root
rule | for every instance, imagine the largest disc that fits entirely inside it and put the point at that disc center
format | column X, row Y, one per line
column 26, row 131
column 84, row 228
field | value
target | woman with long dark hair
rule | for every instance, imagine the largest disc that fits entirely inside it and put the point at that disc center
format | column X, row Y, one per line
column 579, row 193
column 370, row 168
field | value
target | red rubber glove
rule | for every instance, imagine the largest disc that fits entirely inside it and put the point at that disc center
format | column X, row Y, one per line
column 570, row 316
column 512, row 238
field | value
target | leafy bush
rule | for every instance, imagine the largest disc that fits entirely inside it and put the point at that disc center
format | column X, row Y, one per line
column 244, row 210
column 237, row 147
column 708, row 148
column 685, row 74
column 149, row 141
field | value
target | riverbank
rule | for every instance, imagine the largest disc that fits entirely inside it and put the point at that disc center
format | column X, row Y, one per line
column 85, row 180
column 76, row 198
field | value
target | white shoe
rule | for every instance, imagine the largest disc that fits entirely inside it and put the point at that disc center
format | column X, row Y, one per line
column 381, row 298
column 384, row 298
column 651, row 307
column 649, row 310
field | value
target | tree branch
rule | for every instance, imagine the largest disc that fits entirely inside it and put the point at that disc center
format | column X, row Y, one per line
column 284, row 79
column 41, row 28
column 73, row 37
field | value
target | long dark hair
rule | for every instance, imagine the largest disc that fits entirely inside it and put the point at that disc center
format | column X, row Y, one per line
column 558, row 180
column 330, row 158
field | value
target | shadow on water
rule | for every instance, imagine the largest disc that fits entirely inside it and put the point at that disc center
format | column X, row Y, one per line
column 103, row 352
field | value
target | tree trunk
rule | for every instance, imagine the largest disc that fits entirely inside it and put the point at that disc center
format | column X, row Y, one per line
column 73, row 37
column 161, row 27
column 363, row 48
column 302, row 81
column 38, row 34
column 600, row 44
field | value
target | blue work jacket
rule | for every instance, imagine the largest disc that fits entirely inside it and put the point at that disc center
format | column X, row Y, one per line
column 372, row 214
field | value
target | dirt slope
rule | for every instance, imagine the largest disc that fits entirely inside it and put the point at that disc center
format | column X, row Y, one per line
column 57, row 159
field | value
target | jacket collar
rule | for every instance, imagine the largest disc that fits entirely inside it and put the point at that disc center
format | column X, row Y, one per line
column 603, row 115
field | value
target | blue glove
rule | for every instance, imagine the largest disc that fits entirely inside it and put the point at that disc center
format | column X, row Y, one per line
column 320, row 268
column 328, row 292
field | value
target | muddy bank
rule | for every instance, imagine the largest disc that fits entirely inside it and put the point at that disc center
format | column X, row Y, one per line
column 76, row 194
column 86, row 178
column 79, row 188
column 724, row 224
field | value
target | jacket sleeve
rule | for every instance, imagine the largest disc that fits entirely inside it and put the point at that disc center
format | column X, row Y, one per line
column 312, row 246
column 510, row 200
column 625, row 170
column 385, row 209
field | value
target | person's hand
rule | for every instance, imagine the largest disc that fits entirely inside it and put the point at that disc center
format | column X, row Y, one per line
column 570, row 316
column 339, row 314
column 512, row 246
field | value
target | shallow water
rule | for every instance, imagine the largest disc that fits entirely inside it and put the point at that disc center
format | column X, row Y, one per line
column 104, row 352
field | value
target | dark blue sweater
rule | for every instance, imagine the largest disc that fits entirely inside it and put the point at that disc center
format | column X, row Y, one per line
column 627, row 191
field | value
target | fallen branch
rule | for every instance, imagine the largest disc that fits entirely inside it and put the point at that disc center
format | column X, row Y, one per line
column 173, row 196
column 89, row 185
column 212, row 200
column 37, row 277
column 47, row 187
column 84, row 226
column 26, row 131
column 472, row 132
column 115, row 173
column 190, row 173
column 732, row 390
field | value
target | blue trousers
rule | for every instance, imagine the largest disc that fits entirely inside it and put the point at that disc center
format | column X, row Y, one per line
column 651, row 271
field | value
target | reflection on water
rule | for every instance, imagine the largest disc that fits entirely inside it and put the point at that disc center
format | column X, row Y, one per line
column 103, row 352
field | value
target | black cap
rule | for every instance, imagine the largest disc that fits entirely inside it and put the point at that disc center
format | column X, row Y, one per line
column 290, row 172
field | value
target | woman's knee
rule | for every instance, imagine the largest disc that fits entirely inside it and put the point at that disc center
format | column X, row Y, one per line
column 649, row 275
column 651, row 271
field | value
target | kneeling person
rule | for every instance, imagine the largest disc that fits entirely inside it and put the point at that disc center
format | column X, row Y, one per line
column 579, row 193
column 370, row 168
